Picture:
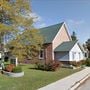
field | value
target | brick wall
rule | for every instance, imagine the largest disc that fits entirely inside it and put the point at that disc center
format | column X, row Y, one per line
column 48, row 52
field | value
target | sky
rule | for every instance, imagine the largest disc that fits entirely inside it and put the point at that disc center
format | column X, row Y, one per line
column 75, row 13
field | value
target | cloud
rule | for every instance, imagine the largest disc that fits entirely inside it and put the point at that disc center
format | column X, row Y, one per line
column 40, row 25
column 35, row 17
column 75, row 23
column 38, row 20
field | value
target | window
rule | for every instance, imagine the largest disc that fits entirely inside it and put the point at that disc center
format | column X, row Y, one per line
column 41, row 54
column 73, row 55
column 79, row 55
column 86, row 55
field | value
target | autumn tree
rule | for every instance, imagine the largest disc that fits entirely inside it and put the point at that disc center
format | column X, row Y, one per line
column 4, row 27
column 25, row 40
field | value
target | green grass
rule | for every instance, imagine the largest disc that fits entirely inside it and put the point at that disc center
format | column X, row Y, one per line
column 33, row 79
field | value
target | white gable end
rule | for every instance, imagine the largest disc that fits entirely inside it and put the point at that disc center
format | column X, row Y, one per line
column 76, row 54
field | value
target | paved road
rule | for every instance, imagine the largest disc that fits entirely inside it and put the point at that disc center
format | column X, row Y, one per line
column 85, row 85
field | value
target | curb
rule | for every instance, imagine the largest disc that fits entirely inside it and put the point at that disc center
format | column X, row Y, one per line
column 20, row 74
column 78, row 83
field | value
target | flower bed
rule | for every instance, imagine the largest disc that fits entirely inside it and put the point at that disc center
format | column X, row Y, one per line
column 13, row 71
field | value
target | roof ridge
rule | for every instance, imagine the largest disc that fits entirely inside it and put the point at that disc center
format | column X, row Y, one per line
column 52, row 25
column 70, row 41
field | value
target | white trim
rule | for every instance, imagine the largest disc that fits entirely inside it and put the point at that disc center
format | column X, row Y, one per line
column 67, row 30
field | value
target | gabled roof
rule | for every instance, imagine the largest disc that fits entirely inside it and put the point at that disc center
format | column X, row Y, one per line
column 50, row 32
column 81, row 47
column 65, row 46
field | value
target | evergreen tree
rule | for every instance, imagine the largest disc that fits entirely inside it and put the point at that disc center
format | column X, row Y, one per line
column 73, row 36
column 88, row 45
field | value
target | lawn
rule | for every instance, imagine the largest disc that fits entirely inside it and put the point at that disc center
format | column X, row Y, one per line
column 33, row 79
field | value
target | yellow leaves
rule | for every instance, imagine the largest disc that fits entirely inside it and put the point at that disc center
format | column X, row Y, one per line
column 14, row 10
column 23, row 3
column 27, row 43
column 4, row 28
column 4, row 5
column 33, row 37
column 19, row 49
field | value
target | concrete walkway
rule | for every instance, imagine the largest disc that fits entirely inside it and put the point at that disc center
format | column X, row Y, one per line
column 70, row 82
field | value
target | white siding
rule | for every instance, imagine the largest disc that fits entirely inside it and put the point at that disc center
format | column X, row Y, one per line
column 76, row 53
column 62, row 56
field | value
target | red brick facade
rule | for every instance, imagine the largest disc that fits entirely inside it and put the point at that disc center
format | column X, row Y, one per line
column 48, row 52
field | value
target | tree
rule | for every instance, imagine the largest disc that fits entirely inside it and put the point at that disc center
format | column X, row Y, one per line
column 88, row 45
column 4, row 28
column 73, row 36
column 26, row 41
column 26, row 45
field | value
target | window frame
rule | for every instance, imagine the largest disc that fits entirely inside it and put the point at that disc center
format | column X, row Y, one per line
column 73, row 55
column 41, row 56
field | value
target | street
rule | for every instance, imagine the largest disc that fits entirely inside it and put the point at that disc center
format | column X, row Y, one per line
column 85, row 85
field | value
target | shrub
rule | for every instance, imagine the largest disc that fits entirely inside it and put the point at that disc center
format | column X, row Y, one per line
column 40, row 66
column 76, row 64
column 83, row 62
column 87, row 62
column 17, row 69
column 51, row 66
column 9, row 67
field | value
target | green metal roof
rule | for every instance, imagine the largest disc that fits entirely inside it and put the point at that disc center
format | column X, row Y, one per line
column 50, row 32
column 65, row 46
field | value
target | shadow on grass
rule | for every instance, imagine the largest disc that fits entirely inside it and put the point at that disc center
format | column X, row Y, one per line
column 42, row 70
column 33, row 68
column 37, row 69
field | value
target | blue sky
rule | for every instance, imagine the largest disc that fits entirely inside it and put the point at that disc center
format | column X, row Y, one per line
column 76, row 14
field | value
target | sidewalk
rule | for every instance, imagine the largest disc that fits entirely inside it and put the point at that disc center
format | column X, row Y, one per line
column 70, row 82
